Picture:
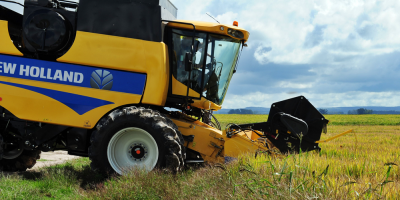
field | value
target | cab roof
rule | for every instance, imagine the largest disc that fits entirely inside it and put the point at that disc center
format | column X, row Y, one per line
column 210, row 27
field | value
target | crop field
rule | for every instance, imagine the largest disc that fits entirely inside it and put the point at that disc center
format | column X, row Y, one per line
column 360, row 165
column 334, row 120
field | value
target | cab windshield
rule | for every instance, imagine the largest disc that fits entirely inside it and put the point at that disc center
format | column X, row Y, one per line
column 214, row 59
column 222, row 53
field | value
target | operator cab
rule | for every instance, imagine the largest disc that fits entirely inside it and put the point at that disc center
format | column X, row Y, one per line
column 214, row 52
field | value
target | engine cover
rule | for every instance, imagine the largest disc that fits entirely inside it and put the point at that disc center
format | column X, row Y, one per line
column 47, row 31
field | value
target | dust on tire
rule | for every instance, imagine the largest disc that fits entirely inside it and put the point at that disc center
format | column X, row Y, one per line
column 163, row 130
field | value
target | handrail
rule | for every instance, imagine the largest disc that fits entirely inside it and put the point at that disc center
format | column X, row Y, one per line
column 194, row 34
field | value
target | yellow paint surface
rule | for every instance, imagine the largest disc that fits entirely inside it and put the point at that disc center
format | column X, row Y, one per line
column 210, row 27
column 124, row 54
column 6, row 44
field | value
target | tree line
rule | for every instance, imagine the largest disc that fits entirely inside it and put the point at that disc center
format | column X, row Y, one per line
column 240, row 111
column 360, row 111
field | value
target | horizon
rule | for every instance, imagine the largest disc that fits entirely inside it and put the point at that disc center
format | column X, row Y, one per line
column 323, row 110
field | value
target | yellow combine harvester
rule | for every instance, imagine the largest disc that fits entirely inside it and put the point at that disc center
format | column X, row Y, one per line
column 95, row 79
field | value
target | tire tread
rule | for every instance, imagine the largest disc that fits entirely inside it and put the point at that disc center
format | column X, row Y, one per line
column 172, row 138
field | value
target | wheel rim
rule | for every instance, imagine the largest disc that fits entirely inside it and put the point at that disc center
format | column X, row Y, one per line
column 132, row 147
column 12, row 153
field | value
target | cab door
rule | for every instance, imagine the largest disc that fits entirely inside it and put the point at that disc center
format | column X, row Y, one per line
column 179, row 43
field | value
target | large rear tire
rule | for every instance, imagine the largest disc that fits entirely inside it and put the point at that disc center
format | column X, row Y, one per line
column 25, row 161
column 1, row 149
column 136, row 137
column 17, row 161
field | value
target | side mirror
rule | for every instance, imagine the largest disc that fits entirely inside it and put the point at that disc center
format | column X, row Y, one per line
column 188, row 61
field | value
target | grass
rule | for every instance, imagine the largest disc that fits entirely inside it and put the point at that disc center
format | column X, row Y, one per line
column 63, row 181
column 363, row 165
column 335, row 120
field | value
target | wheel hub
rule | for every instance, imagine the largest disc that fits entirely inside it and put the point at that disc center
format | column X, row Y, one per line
column 137, row 152
column 132, row 147
column 12, row 150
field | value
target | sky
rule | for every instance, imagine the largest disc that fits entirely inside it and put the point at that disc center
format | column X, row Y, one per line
column 337, row 53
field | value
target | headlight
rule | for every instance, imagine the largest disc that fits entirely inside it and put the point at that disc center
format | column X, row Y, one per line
column 235, row 33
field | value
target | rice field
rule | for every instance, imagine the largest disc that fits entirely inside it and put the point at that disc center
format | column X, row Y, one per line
column 342, row 120
column 361, row 165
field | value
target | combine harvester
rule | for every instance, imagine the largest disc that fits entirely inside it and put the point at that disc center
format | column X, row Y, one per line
column 95, row 78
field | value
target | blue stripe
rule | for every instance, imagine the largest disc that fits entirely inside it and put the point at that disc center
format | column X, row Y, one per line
column 80, row 104
column 57, row 72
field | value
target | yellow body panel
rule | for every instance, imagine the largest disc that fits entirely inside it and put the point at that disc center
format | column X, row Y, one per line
column 125, row 54
column 210, row 28
column 179, row 88
column 89, row 49
column 250, row 134
column 6, row 45
column 241, row 144
column 205, row 104
column 206, row 138
column 33, row 106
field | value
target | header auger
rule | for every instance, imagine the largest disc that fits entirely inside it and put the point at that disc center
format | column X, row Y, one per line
column 84, row 78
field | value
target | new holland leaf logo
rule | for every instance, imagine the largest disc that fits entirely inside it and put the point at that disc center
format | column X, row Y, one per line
column 101, row 79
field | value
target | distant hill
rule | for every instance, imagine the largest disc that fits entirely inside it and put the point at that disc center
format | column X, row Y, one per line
column 375, row 109
column 331, row 110
column 256, row 110
column 259, row 110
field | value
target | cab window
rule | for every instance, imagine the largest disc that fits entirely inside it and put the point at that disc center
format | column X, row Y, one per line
column 182, row 44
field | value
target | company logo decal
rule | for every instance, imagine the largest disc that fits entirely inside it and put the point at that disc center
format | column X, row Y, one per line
column 41, row 72
column 87, row 124
column 73, row 75
column 101, row 79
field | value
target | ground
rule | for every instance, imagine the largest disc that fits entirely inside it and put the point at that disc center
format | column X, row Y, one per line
column 52, row 158
column 361, row 165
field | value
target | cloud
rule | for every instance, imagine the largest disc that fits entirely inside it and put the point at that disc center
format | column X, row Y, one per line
column 336, row 53
column 347, row 99
column 296, row 31
column 315, row 37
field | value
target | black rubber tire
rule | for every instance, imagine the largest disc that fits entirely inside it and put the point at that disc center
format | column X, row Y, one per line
column 1, row 148
column 23, row 162
column 166, row 134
